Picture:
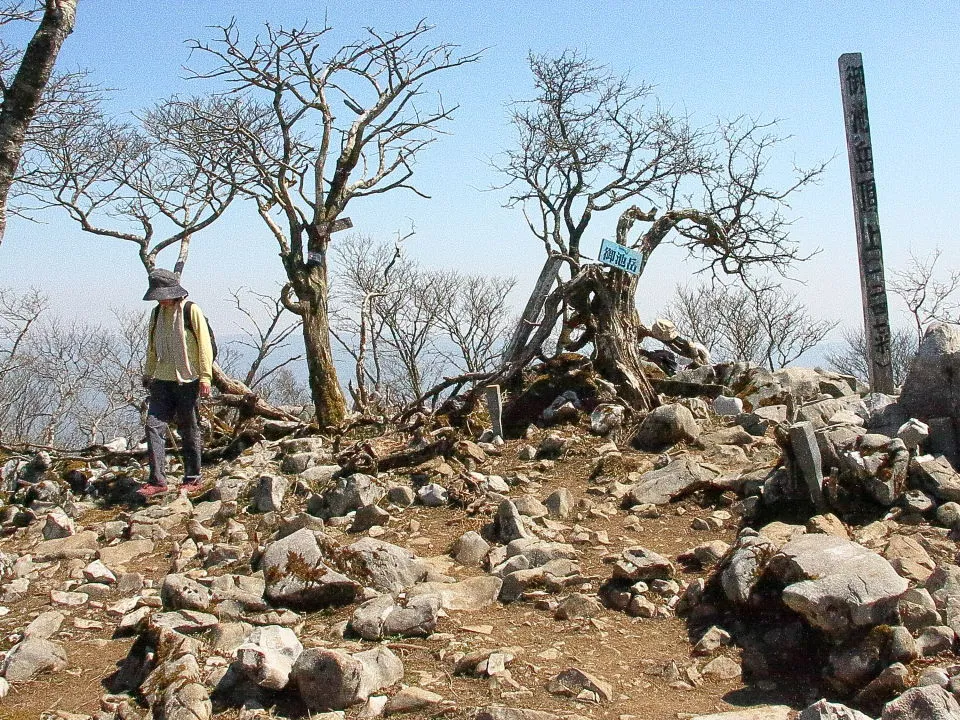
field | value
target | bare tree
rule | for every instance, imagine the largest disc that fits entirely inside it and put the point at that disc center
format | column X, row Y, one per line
column 928, row 298
column 761, row 324
column 585, row 144
column 266, row 332
column 155, row 184
column 23, row 93
column 315, row 162
column 418, row 324
column 67, row 384
column 475, row 319
column 851, row 357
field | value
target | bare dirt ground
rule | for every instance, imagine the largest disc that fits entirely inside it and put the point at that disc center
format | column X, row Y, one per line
column 637, row 656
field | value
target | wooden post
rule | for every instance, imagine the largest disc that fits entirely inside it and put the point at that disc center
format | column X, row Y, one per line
column 876, row 318
column 495, row 408
column 528, row 320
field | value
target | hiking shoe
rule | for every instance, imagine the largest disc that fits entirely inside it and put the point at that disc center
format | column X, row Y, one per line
column 151, row 491
column 192, row 486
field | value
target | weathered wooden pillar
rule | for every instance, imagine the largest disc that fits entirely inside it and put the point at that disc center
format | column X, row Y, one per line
column 876, row 317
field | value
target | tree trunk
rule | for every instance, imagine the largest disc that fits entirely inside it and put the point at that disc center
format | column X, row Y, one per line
column 22, row 98
column 604, row 300
column 331, row 408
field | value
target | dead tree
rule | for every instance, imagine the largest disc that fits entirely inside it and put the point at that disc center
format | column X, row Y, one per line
column 23, row 94
column 930, row 296
column 587, row 144
column 345, row 125
column 761, row 324
column 156, row 184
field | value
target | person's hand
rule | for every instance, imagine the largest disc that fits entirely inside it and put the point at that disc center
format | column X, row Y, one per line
column 204, row 389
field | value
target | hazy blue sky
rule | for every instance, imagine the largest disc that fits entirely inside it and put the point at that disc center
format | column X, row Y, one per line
column 768, row 59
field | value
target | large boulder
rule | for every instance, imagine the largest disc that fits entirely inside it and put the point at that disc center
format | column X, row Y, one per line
column 350, row 493
column 31, row 657
column 335, row 679
column 666, row 426
column 297, row 577
column 384, row 566
column 668, row 483
column 930, row 702
column 836, row 584
column 931, row 390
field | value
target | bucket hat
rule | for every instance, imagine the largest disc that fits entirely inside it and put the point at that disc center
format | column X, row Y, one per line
column 164, row 285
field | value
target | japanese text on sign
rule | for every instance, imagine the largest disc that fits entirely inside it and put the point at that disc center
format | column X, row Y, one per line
column 620, row 257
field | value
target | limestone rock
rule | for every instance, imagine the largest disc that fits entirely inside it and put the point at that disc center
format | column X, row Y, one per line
column 836, row 584
column 470, row 549
column 350, row 493
column 666, row 426
column 383, row 617
column 297, row 577
column 31, row 657
column 383, row 566
column 573, row 682
column 467, row 595
column 335, row 679
column 637, row 563
column 659, row 487
column 922, row 703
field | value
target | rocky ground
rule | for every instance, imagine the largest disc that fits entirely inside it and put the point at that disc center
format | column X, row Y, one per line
column 783, row 542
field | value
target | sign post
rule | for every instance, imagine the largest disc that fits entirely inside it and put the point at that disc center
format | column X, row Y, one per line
column 316, row 258
column 876, row 317
column 620, row 257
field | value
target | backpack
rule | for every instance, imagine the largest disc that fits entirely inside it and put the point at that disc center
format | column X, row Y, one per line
column 188, row 325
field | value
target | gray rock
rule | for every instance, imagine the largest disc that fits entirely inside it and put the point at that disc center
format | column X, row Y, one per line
column 823, row 710
column 335, row 680
column 383, row 566
column 530, row 506
column 45, row 625
column 948, row 515
column 369, row 516
column 186, row 702
column 467, row 595
column 267, row 656
column 552, row 446
column 502, row 712
column 933, row 676
column 723, row 668
column 412, row 699
column 605, row 418
column 917, row 502
column 658, row 487
column 350, row 493
column 937, row 476
column 932, row 386
column 913, row 433
column 923, row 703
column 97, row 572
column 297, row 463
column 31, row 657
column 891, row 681
column 917, row 609
column 935, row 639
column 297, row 577
column 401, row 495
column 508, row 523
column 559, row 504
column 572, row 682
column 666, row 426
column 903, row 648
column 470, row 549
column 836, row 584
column 383, row 617
column 724, row 405
column 433, row 495
column 763, row 712
column 58, row 524
column 743, row 568
column 271, row 489
column 577, row 605
column 179, row 592
column 637, row 563
column 711, row 641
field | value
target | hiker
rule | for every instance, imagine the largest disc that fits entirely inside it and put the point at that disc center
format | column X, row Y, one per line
column 178, row 372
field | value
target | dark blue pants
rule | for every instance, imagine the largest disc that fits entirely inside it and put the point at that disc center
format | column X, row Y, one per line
column 176, row 403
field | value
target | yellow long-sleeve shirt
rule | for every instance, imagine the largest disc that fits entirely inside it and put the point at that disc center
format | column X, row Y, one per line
column 199, row 348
